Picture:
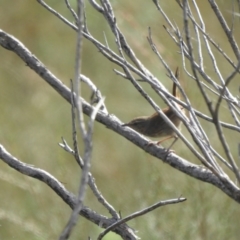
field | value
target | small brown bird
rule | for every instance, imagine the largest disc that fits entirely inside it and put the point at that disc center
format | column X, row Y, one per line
column 155, row 126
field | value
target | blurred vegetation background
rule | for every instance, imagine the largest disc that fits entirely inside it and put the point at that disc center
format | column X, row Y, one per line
column 34, row 118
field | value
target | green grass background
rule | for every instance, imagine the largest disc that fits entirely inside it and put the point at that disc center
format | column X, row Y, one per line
column 34, row 118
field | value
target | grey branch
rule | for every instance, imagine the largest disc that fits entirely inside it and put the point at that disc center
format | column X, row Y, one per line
column 112, row 122
column 69, row 198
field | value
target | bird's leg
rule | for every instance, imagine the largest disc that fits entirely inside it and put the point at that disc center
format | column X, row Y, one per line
column 175, row 139
column 163, row 140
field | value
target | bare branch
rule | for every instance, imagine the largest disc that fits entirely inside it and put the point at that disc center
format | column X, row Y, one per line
column 225, row 27
column 58, row 15
column 71, row 10
column 140, row 213
column 96, row 94
column 198, row 53
column 86, row 136
column 113, row 123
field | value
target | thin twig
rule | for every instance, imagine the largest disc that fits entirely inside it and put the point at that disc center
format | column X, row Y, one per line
column 140, row 213
column 205, row 148
column 58, row 15
column 77, row 91
column 225, row 27
column 96, row 94
column 71, row 10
